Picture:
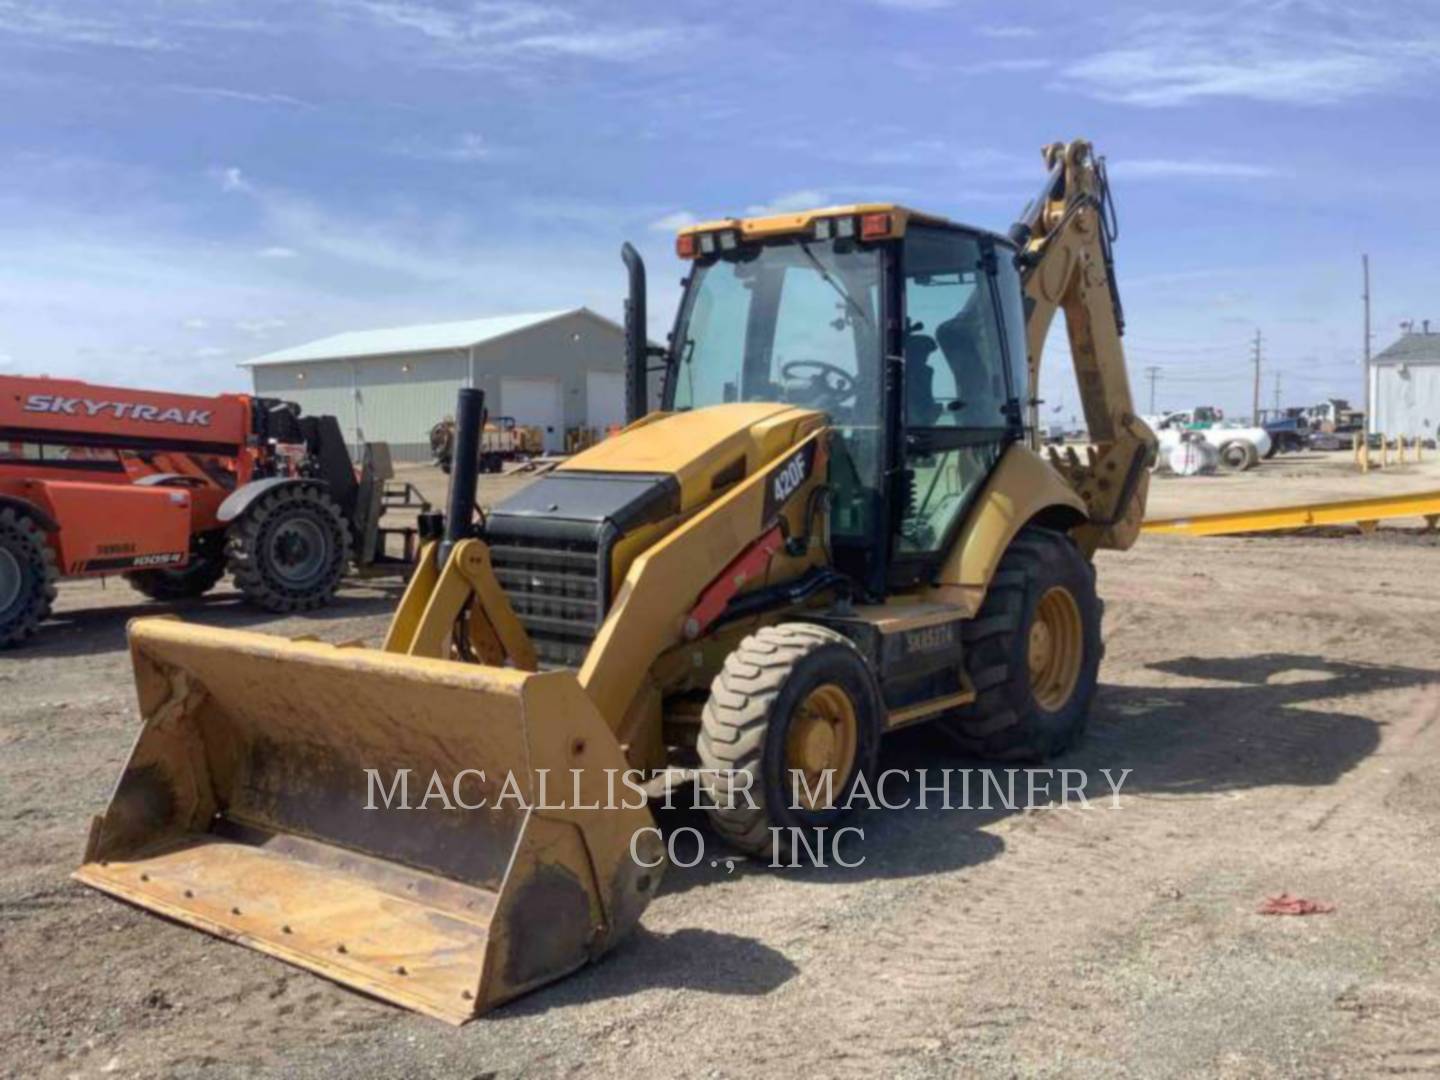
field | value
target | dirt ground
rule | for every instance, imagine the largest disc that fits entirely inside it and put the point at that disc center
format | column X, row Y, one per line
column 1276, row 698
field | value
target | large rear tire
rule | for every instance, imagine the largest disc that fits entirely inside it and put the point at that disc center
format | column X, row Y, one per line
column 290, row 550
column 790, row 697
column 27, row 577
column 197, row 577
column 1032, row 653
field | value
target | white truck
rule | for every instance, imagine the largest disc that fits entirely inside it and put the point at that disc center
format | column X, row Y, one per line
column 1238, row 447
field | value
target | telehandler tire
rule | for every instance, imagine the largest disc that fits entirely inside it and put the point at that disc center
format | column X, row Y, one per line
column 290, row 550
column 197, row 577
column 27, row 576
column 1032, row 653
column 790, row 697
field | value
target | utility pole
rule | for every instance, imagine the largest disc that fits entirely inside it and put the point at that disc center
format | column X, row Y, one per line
column 1255, row 408
column 1277, row 395
column 1152, row 373
column 1365, row 265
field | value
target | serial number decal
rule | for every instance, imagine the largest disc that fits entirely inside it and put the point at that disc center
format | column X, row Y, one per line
column 115, row 549
column 168, row 558
column 930, row 638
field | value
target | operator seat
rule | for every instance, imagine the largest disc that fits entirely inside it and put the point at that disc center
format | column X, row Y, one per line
column 921, row 408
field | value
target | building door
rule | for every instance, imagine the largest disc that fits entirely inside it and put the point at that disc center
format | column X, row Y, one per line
column 535, row 403
column 604, row 400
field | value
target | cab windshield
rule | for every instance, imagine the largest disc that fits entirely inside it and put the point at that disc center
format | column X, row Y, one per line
column 793, row 322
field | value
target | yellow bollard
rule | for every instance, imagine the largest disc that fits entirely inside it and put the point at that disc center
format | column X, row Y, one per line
column 1384, row 452
column 1401, row 442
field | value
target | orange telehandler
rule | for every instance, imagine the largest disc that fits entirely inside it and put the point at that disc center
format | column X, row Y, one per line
column 173, row 490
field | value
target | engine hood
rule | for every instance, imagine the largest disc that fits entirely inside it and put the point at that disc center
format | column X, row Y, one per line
column 704, row 449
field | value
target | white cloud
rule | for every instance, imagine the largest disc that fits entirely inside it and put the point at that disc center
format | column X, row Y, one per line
column 805, row 199
column 1151, row 168
column 1001, row 33
column 210, row 352
column 1300, row 52
column 42, row 24
column 466, row 147
column 260, row 327
column 673, row 221
column 632, row 44
column 502, row 33
column 277, row 253
column 252, row 97
column 232, row 179
column 6, row 360
column 196, row 324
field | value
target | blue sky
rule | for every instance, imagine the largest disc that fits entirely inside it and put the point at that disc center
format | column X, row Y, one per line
column 188, row 184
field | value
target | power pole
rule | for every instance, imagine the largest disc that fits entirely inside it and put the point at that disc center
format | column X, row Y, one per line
column 1255, row 407
column 1365, row 265
column 1152, row 373
column 1277, row 395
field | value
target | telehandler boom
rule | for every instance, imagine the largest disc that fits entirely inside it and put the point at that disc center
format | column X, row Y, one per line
column 838, row 524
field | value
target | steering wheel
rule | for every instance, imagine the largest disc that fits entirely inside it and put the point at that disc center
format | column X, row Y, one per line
column 829, row 392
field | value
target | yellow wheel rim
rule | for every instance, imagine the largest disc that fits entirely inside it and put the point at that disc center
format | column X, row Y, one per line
column 824, row 734
column 1057, row 648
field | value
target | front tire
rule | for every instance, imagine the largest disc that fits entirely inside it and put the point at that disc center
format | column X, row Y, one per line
column 1032, row 653
column 790, row 697
column 290, row 550
column 27, row 577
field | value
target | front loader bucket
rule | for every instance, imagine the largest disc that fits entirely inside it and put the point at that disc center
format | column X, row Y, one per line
column 247, row 810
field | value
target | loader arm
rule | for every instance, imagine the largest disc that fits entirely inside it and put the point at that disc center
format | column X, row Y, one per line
column 1067, row 266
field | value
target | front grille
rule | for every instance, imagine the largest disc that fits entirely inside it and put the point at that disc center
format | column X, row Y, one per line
column 556, row 588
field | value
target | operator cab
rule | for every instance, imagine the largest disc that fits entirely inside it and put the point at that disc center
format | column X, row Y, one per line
column 907, row 329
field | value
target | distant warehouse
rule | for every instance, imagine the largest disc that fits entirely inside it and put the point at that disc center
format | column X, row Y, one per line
column 554, row 370
column 1406, row 385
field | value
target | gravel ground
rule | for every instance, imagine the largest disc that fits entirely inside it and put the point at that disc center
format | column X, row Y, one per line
column 1276, row 699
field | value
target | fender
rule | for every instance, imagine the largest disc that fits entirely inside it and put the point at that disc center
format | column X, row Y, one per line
column 1023, row 489
column 241, row 499
column 25, row 506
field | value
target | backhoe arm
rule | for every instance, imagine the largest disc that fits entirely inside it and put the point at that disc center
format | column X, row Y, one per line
column 1067, row 266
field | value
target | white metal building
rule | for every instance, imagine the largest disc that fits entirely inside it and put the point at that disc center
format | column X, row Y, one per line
column 555, row 370
column 1405, row 386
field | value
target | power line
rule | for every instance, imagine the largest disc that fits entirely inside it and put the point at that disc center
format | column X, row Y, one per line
column 1255, row 413
column 1154, row 373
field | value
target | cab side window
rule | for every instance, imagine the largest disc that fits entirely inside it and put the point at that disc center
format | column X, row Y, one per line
column 954, row 362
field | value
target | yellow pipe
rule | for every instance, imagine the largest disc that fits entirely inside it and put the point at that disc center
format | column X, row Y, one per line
column 1343, row 512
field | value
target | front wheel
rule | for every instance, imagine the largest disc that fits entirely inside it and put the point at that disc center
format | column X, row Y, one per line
column 27, row 577
column 793, row 719
column 1032, row 653
column 290, row 550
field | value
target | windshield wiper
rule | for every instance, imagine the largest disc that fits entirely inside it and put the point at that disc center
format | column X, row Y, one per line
column 830, row 280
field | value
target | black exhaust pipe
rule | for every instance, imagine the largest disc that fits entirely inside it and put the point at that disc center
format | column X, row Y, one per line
column 637, row 341
column 464, row 470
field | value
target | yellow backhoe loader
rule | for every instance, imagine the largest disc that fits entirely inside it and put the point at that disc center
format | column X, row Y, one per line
column 838, row 523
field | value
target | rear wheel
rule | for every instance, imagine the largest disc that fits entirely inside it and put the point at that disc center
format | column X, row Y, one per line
column 1032, row 653
column 27, row 576
column 290, row 550
column 793, row 718
column 1239, row 456
column 197, row 577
